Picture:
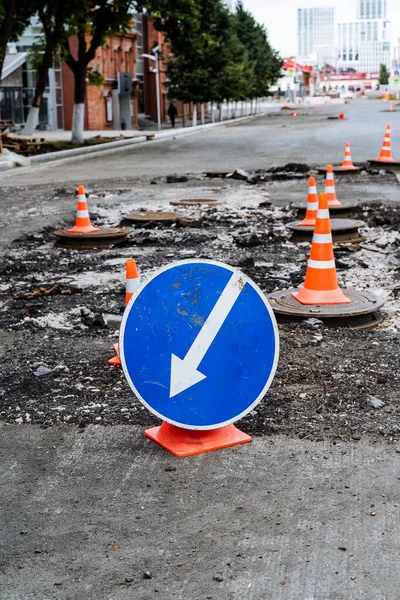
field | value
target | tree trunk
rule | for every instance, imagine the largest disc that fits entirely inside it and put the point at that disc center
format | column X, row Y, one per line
column 79, row 104
column 212, row 112
column 33, row 116
column 194, row 119
column 5, row 31
column 202, row 114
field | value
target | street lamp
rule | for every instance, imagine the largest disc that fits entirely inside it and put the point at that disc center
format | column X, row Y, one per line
column 156, row 71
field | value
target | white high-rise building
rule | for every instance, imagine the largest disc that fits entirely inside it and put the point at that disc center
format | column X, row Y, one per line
column 364, row 44
column 316, row 33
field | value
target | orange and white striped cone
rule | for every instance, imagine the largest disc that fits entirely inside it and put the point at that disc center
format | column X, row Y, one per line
column 330, row 188
column 321, row 285
column 132, row 279
column 82, row 224
column 132, row 282
column 347, row 162
column 312, row 205
column 385, row 155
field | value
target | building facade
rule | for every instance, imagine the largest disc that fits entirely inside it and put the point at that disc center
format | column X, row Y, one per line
column 364, row 44
column 114, row 103
column 316, row 36
column 361, row 45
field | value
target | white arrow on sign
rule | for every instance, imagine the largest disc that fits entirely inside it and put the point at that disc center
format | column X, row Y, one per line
column 184, row 372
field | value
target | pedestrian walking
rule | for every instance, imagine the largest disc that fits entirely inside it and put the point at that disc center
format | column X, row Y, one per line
column 172, row 113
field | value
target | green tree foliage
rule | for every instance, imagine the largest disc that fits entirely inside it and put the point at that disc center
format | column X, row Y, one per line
column 90, row 24
column 200, row 47
column 383, row 75
column 265, row 61
column 216, row 55
column 14, row 17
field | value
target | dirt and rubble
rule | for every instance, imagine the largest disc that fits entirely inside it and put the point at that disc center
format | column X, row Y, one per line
column 55, row 303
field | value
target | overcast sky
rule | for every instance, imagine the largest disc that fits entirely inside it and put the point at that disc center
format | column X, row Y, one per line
column 280, row 18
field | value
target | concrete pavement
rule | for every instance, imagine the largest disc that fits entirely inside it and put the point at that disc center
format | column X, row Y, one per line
column 87, row 512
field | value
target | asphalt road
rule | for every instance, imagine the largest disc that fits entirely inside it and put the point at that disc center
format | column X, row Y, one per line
column 260, row 143
column 86, row 512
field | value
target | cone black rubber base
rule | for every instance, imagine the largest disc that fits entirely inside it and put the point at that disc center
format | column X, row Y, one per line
column 104, row 238
column 390, row 166
column 360, row 313
column 343, row 231
column 345, row 210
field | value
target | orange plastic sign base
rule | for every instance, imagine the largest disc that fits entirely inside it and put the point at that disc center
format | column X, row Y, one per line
column 116, row 359
column 187, row 442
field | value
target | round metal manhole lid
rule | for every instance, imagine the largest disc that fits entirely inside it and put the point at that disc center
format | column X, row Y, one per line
column 103, row 238
column 150, row 216
column 362, row 303
column 208, row 202
column 332, row 209
column 337, row 225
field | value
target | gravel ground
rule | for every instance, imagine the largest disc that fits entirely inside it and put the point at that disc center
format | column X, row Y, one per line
column 55, row 303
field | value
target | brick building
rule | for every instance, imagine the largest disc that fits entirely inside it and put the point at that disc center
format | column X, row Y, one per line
column 114, row 104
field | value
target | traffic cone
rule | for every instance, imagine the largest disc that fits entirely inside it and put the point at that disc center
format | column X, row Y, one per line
column 321, row 285
column 294, row 113
column 312, row 205
column 132, row 281
column 385, row 154
column 330, row 188
column 82, row 224
column 341, row 116
column 347, row 162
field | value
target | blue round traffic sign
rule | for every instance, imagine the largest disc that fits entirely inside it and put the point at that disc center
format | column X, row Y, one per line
column 199, row 344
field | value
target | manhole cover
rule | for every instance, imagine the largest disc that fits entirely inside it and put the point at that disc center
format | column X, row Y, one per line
column 151, row 217
column 104, row 238
column 343, row 230
column 359, row 314
column 196, row 202
column 390, row 166
column 345, row 210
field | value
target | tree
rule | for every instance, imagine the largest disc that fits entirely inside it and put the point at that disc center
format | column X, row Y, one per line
column 91, row 24
column 200, row 47
column 383, row 75
column 53, row 15
column 266, row 61
column 14, row 17
column 216, row 55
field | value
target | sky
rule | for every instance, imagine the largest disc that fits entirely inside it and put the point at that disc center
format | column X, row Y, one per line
column 280, row 18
